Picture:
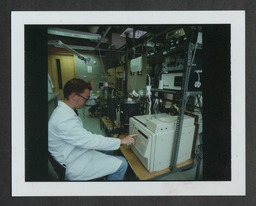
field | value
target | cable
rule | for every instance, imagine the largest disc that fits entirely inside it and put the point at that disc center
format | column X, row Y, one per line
column 199, row 153
column 197, row 83
column 102, row 65
column 199, row 103
column 149, row 95
column 149, row 105
column 198, row 100
column 149, row 83
column 191, row 64
column 198, row 76
column 155, row 105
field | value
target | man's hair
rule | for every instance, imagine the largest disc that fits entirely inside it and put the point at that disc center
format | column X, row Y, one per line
column 75, row 85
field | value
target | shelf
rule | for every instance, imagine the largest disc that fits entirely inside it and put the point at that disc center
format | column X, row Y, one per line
column 108, row 124
column 194, row 92
column 186, row 163
column 166, row 53
column 141, row 172
column 138, row 168
column 166, row 91
column 176, row 91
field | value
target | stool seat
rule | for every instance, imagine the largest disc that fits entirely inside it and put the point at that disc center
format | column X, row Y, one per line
column 59, row 169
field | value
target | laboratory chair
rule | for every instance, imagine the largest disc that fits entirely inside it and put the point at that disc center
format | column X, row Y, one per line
column 59, row 169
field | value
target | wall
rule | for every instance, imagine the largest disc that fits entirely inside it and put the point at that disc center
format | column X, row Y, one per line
column 137, row 82
column 103, row 62
column 98, row 64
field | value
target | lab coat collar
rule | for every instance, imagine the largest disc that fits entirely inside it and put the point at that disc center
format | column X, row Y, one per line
column 66, row 107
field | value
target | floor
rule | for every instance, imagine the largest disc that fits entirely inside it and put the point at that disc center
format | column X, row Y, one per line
column 93, row 125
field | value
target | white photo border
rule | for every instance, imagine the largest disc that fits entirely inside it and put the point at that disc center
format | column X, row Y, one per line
column 234, row 187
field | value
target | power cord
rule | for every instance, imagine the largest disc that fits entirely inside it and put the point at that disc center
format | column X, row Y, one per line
column 197, row 83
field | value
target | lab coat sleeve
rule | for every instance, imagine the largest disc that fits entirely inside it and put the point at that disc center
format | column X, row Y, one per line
column 72, row 132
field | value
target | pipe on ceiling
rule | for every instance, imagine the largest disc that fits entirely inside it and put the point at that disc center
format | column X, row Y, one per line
column 94, row 29
column 106, row 32
column 58, row 43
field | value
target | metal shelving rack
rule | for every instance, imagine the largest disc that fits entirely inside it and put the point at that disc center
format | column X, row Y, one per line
column 188, row 51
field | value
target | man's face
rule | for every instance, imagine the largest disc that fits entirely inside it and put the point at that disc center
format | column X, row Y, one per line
column 82, row 98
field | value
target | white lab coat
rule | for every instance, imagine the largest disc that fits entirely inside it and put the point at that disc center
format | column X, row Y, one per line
column 76, row 148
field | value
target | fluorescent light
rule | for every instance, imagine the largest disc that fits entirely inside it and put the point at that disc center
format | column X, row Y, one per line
column 72, row 33
column 129, row 32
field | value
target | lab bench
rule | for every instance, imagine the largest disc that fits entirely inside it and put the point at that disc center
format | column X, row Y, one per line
column 138, row 168
column 109, row 126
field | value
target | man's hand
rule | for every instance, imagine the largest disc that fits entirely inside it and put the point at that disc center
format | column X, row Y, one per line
column 128, row 139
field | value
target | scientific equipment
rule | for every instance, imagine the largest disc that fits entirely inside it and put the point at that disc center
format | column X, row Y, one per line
column 155, row 141
column 174, row 81
column 128, row 108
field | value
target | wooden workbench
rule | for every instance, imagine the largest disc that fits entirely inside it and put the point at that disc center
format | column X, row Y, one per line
column 109, row 124
column 138, row 168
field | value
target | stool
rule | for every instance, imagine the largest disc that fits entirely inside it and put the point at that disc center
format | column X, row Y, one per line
column 59, row 169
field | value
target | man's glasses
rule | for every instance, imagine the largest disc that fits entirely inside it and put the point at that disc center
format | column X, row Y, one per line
column 86, row 98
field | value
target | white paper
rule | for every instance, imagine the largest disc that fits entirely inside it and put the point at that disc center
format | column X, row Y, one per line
column 89, row 69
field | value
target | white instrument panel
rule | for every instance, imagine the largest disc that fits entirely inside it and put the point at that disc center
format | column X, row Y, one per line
column 154, row 149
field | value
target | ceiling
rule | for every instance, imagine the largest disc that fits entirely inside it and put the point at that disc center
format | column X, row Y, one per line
column 110, row 38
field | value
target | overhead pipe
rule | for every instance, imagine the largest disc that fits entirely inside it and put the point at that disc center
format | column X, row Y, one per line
column 73, row 33
column 111, row 50
column 103, row 37
column 149, row 38
column 94, row 29
column 60, row 43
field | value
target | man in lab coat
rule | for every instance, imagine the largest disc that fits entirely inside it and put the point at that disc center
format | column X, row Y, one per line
column 80, row 151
